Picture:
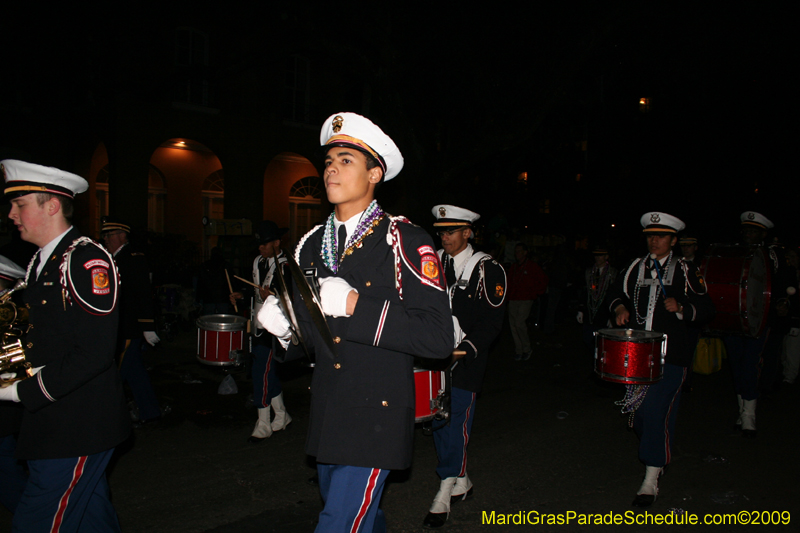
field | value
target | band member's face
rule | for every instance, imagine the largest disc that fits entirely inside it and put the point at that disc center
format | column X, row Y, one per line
column 660, row 244
column 30, row 218
column 753, row 235
column 688, row 250
column 347, row 180
column 114, row 240
column 453, row 243
column 520, row 253
column 269, row 249
column 600, row 260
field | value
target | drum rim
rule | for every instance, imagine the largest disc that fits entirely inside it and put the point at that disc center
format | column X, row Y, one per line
column 651, row 335
column 237, row 324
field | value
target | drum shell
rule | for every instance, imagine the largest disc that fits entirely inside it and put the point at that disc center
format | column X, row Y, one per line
column 428, row 384
column 635, row 359
column 217, row 337
column 739, row 283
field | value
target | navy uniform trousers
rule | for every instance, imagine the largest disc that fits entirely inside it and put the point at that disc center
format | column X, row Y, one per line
column 67, row 495
column 133, row 372
column 654, row 421
column 745, row 355
column 451, row 437
column 340, row 486
column 266, row 384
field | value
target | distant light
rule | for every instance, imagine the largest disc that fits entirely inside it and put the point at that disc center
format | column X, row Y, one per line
column 613, row 225
column 522, row 177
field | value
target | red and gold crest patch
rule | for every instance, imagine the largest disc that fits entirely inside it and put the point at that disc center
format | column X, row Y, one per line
column 100, row 281
column 430, row 268
column 499, row 290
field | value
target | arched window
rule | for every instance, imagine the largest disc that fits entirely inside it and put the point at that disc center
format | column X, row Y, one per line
column 305, row 205
column 214, row 195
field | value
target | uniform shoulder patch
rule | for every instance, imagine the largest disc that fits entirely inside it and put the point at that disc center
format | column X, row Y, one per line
column 494, row 282
column 429, row 263
column 100, row 281
column 89, row 277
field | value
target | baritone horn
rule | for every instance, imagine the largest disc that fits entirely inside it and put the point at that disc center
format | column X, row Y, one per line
column 13, row 365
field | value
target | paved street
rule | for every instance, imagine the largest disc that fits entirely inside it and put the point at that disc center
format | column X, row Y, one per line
column 546, row 438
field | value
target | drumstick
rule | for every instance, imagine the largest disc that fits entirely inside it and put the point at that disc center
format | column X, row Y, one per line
column 658, row 271
column 248, row 282
column 230, row 288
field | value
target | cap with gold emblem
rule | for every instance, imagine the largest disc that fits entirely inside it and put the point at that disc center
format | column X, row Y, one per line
column 450, row 216
column 656, row 222
column 752, row 218
column 25, row 178
column 687, row 241
column 350, row 129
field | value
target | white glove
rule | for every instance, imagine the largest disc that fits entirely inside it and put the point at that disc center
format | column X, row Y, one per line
column 271, row 317
column 579, row 317
column 151, row 338
column 10, row 393
column 333, row 292
column 11, row 375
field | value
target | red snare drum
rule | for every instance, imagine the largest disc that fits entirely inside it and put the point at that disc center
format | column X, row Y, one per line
column 739, row 282
column 428, row 385
column 217, row 337
column 629, row 356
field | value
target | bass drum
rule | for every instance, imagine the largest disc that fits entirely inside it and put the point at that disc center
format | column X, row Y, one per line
column 739, row 281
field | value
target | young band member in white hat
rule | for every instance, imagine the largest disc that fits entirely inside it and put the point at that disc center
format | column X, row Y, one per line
column 476, row 285
column 660, row 292
column 383, row 294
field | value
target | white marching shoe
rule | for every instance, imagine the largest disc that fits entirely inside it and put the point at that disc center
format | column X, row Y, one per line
column 749, row 418
column 282, row 418
column 263, row 429
column 440, row 509
column 462, row 490
column 738, row 424
column 649, row 490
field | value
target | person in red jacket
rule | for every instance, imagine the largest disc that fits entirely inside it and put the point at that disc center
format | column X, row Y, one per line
column 526, row 282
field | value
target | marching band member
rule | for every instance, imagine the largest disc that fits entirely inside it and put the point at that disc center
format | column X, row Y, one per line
column 476, row 285
column 746, row 354
column 75, row 413
column 661, row 292
column 382, row 290
column 267, row 391
column 594, row 315
column 136, row 318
